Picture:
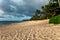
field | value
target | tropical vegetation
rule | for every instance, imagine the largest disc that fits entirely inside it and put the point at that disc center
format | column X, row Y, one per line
column 49, row 11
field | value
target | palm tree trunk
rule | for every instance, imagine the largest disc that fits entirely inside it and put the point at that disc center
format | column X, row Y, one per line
column 59, row 2
column 54, row 13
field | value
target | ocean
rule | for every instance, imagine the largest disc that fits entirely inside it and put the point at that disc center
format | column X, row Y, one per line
column 8, row 22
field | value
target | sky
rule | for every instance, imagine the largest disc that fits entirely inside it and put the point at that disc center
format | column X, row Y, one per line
column 17, row 10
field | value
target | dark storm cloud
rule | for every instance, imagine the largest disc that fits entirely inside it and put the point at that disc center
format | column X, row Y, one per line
column 20, row 8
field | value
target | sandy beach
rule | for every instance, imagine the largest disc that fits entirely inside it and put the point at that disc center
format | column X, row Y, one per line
column 30, row 30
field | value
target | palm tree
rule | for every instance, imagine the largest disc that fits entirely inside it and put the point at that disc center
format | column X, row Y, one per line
column 36, row 15
column 52, row 1
column 51, row 9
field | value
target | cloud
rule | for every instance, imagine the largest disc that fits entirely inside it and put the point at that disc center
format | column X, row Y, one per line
column 13, row 18
column 19, row 9
column 1, row 12
column 18, row 2
column 0, row 2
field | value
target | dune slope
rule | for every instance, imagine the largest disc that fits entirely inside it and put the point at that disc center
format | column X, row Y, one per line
column 30, row 30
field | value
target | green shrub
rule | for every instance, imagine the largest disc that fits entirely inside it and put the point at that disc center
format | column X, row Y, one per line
column 55, row 20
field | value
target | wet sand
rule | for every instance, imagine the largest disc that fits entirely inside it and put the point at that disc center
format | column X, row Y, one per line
column 30, row 30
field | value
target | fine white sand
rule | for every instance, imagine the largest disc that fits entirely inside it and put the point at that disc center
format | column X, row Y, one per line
column 30, row 30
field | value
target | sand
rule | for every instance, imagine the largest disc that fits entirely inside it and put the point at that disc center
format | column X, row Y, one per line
column 30, row 30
